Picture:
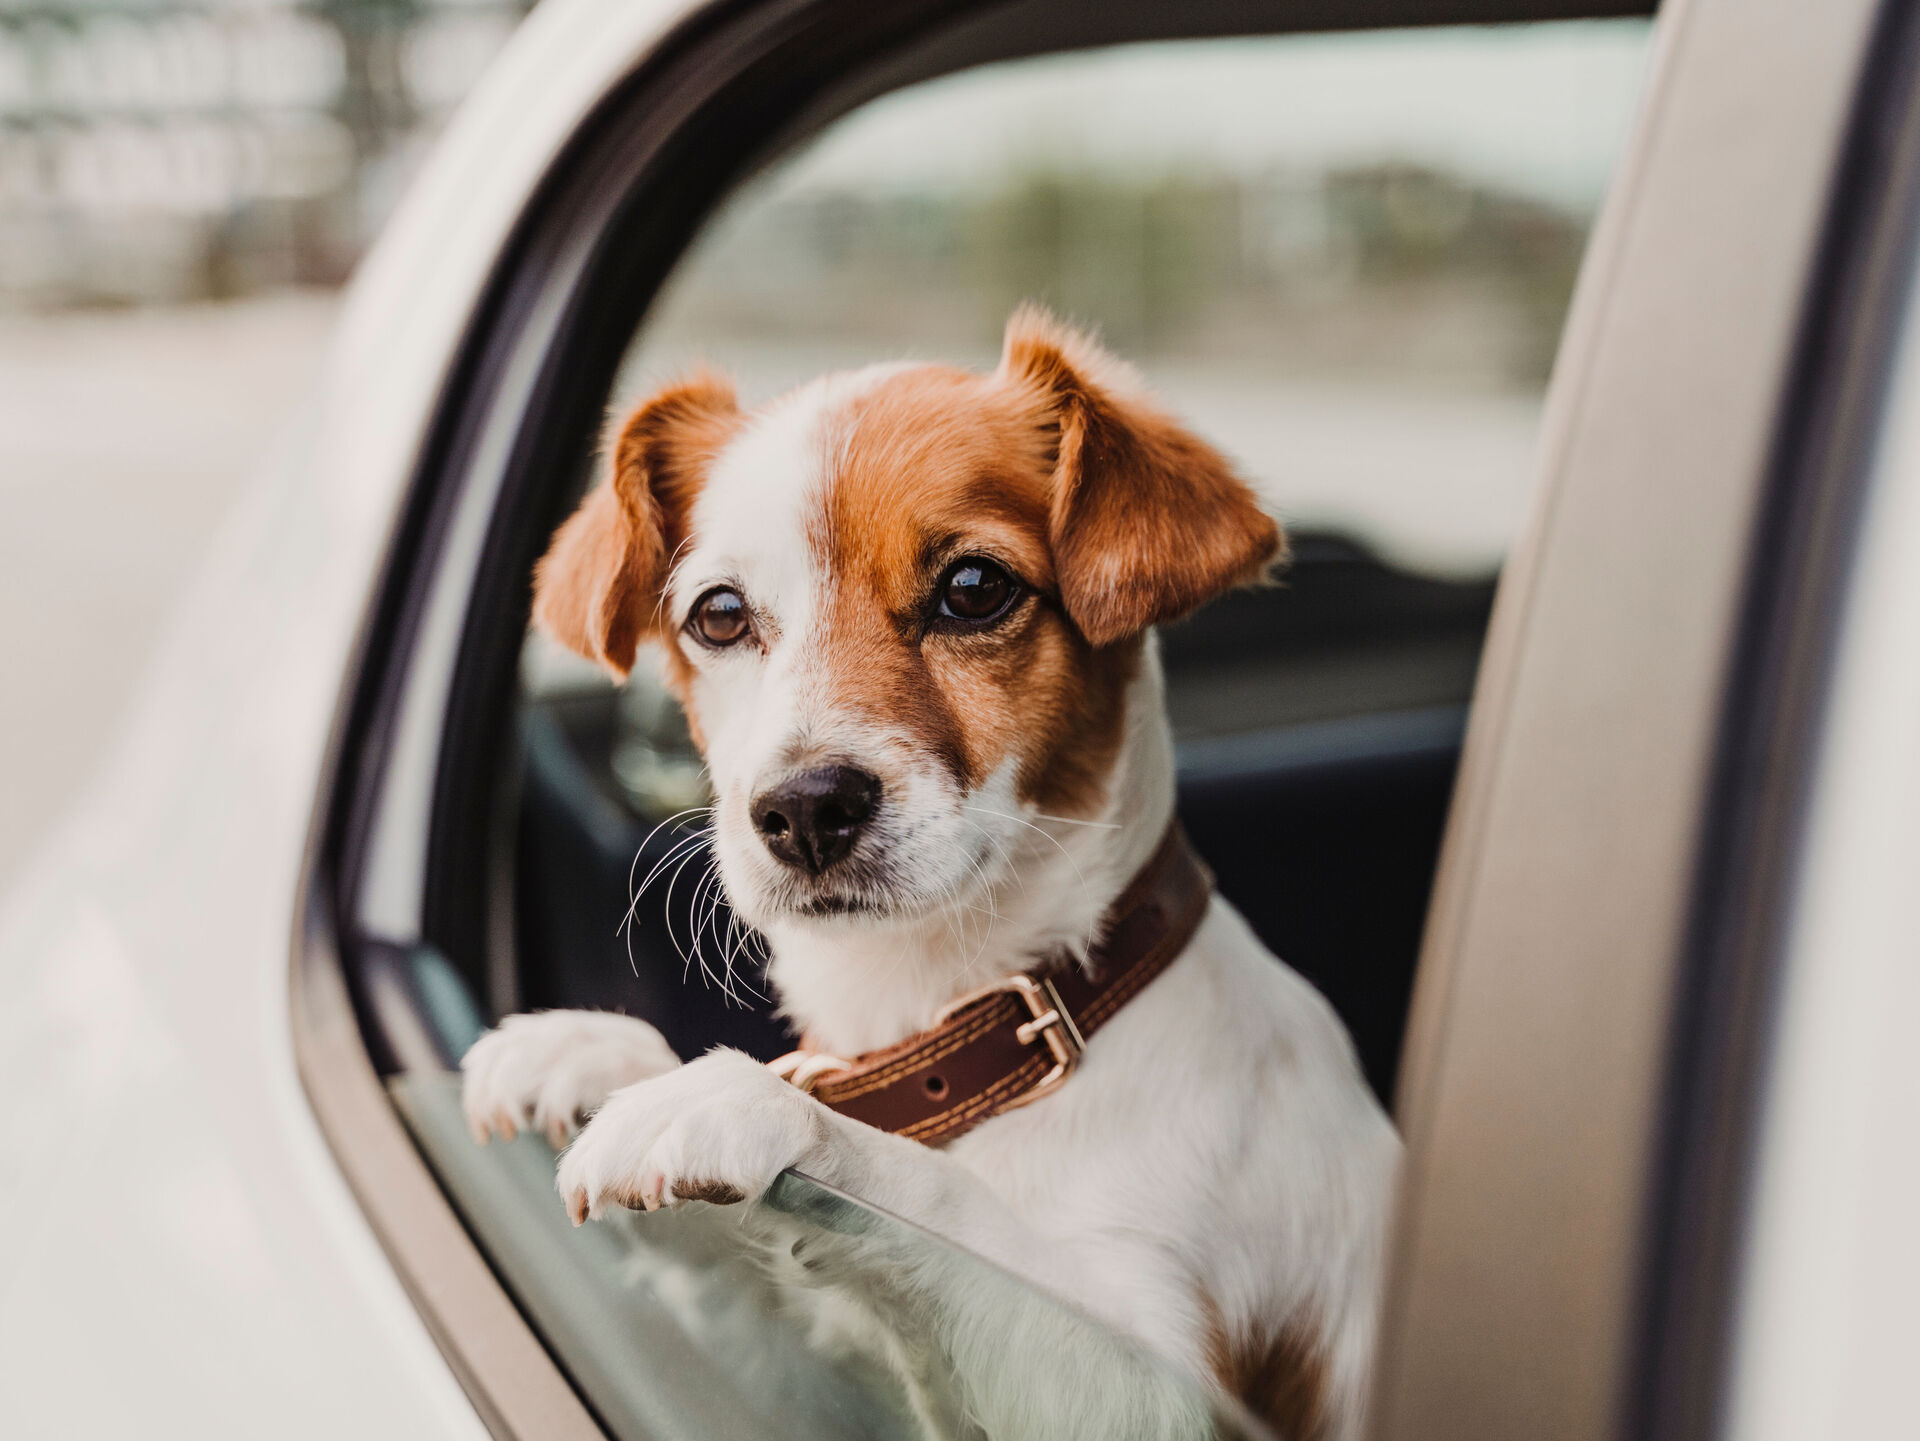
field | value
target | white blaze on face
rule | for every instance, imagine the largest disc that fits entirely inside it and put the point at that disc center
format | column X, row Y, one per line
column 768, row 707
column 749, row 532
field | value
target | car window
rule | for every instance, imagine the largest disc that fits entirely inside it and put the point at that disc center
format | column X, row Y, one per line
column 706, row 1322
column 1346, row 259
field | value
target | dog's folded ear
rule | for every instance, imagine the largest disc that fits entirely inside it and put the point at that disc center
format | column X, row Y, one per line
column 597, row 590
column 1148, row 521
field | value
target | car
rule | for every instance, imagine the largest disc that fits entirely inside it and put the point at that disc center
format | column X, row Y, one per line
column 1594, row 817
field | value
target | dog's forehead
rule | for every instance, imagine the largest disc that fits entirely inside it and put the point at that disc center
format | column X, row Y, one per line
column 781, row 487
column 753, row 514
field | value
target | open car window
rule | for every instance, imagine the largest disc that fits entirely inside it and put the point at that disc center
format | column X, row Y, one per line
column 705, row 1322
column 1346, row 259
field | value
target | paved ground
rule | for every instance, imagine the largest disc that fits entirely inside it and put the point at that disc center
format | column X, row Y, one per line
column 124, row 438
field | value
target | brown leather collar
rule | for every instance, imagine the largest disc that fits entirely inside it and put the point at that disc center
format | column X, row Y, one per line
column 1014, row 1041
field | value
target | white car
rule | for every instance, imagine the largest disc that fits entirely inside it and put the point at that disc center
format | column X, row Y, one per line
column 1662, row 1117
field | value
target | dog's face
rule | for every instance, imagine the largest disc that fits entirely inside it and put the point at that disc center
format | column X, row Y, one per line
column 901, row 606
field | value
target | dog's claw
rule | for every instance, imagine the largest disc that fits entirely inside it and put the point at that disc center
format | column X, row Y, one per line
column 653, row 1191
column 503, row 1123
column 577, row 1208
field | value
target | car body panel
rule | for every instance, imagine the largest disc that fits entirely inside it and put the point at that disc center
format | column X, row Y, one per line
column 1825, row 1330
column 186, row 1256
column 1534, row 1084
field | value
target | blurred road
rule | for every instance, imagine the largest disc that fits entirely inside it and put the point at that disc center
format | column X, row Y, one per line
column 125, row 436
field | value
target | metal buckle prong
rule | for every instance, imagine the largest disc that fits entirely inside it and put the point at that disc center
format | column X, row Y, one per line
column 1052, row 1022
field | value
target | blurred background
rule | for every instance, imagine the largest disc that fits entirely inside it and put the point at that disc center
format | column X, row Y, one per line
column 1346, row 258
column 183, row 188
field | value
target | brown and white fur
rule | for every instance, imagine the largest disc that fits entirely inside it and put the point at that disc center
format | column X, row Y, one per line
column 1215, row 1178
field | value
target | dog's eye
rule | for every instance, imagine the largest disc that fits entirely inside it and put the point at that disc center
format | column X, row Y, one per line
column 719, row 617
column 976, row 590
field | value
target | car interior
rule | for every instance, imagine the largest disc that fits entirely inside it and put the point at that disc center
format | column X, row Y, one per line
column 1318, row 719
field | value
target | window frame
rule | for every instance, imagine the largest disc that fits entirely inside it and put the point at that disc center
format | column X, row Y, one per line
column 727, row 84
column 1594, row 1006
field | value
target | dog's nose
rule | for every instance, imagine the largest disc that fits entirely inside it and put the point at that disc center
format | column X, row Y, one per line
column 812, row 819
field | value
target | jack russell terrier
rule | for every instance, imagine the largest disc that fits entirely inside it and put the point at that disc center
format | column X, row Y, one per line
column 909, row 613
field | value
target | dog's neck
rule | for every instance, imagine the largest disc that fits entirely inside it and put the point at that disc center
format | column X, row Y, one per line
column 852, row 988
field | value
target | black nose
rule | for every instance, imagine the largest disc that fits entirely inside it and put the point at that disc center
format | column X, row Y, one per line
column 812, row 819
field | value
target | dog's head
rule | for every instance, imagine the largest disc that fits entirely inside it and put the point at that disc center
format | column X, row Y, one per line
column 902, row 606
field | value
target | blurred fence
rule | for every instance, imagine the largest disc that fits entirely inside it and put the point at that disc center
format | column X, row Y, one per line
column 157, row 151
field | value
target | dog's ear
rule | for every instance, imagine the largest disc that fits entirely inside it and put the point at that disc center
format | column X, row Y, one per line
column 597, row 589
column 1148, row 521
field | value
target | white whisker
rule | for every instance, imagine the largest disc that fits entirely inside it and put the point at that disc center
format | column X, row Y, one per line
column 1086, row 891
column 633, row 895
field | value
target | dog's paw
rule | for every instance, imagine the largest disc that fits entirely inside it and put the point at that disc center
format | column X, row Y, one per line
column 718, row 1129
column 553, row 1069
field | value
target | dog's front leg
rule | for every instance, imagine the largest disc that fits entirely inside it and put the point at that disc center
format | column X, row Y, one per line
column 722, row 1128
column 552, row 1069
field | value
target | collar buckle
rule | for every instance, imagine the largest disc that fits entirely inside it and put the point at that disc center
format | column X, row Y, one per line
column 1051, row 1022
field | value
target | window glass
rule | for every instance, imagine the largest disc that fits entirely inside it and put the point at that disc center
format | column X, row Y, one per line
column 708, row 1321
column 1345, row 259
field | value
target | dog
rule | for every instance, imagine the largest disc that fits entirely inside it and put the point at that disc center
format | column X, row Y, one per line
column 909, row 612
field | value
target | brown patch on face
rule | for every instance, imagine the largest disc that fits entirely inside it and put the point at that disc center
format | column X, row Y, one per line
column 934, row 465
column 598, row 588
column 1114, row 515
column 1283, row 1380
